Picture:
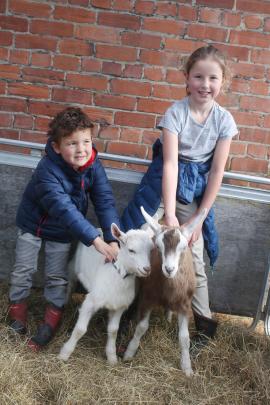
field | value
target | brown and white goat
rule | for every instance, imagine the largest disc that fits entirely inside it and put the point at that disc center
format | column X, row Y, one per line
column 171, row 283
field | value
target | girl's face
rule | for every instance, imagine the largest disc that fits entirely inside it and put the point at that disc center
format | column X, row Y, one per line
column 204, row 81
column 75, row 149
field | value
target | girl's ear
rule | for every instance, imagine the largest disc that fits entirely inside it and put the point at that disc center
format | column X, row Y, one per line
column 55, row 147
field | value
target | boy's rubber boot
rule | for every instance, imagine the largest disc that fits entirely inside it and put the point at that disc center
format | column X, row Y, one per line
column 46, row 329
column 206, row 328
column 18, row 316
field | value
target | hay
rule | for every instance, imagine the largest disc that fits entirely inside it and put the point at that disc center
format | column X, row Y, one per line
column 234, row 369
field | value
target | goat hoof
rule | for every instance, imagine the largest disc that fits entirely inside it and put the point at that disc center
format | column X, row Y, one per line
column 128, row 356
column 63, row 355
column 112, row 361
column 188, row 372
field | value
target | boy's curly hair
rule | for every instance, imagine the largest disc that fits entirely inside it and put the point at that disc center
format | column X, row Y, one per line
column 68, row 121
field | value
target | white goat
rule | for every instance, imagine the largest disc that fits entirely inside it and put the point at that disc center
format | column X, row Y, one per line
column 171, row 283
column 110, row 285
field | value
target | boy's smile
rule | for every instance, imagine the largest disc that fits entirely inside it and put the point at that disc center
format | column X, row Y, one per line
column 75, row 149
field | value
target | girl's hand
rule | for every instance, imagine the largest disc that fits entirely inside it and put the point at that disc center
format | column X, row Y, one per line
column 171, row 220
column 105, row 249
column 195, row 235
column 115, row 247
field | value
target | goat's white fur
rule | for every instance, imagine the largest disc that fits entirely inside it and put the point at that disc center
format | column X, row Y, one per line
column 170, row 266
column 109, row 287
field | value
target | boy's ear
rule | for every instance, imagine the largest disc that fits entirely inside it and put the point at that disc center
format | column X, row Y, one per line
column 55, row 147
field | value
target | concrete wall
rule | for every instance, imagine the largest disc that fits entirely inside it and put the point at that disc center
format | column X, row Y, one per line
column 244, row 242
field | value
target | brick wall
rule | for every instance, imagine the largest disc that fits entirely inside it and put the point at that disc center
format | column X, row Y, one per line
column 120, row 60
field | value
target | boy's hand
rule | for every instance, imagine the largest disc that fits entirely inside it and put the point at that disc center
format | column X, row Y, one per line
column 105, row 249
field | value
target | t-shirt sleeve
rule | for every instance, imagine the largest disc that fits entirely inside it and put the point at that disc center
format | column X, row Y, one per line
column 172, row 120
column 228, row 128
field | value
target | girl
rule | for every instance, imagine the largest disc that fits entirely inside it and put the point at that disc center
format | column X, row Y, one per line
column 188, row 167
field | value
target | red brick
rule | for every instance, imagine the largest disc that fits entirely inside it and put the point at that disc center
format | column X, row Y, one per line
column 123, row 5
column 255, row 39
column 23, row 121
column 33, row 136
column 187, row 13
column 256, row 6
column 266, row 122
column 101, row 3
column 42, row 124
column 28, row 90
column 119, row 20
column 3, row 86
column 6, row 38
column 152, row 105
column 9, row 72
column 66, row 62
column 116, row 102
column 257, row 151
column 19, row 57
column 228, row 100
column 131, row 135
column 169, row 92
column 141, row 40
column 267, row 25
column 91, row 65
column 130, row 149
column 41, row 59
column 131, row 119
column 231, row 19
column 120, row 53
column 4, row 54
column 149, row 136
column 248, row 70
column 79, row 2
column 74, row 14
column 112, row 68
column 175, row 76
column 159, row 58
column 42, row 76
column 238, row 148
column 40, row 10
column 90, row 82
column 75, row 47
column 260, row 88
column 166, row 8
column 72, row 96
column 100, row 115
column 248, row 118
column 45, row 108
column 3, row 6
column 98, row 34
column 35, row 42
column 144, row 7
column 181, row 45
column 162, row 25
column 204, row 31
column 154, row 73
column 211, row 16
column 260, row 104
column 253, row 22
column 253, row 135
column 13, row 23
column 214, row 3
column 260, row 56
column 130, row 87
column 52, row 28
column 12, row 104
column 5, row 120
column 249, row 165
column 109, row 133
column 235, row 52
column 9, row 134
column 240, row 85
column 133, row 71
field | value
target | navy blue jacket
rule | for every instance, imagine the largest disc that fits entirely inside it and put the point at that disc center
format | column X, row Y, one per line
column 55, row 201
column 192, row 181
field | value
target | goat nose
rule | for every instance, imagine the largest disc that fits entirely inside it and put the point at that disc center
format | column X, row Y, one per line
column 147, row 270
column 169, row 270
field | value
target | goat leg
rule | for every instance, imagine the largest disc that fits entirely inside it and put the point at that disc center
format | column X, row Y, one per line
column 141, row 328
column 184, row 343
column 113, row 326
column 85, row 313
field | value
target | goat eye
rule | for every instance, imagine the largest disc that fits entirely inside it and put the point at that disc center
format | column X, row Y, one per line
column 131, row 251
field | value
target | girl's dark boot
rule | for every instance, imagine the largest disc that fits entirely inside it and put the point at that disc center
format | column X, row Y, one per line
column 47, row 328
column 18, row 317
column 206, row 328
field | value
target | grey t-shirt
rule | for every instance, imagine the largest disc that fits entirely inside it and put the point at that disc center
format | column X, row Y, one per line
column 197, row 142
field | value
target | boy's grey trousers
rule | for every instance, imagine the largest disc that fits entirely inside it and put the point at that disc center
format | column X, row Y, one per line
column 56, row 274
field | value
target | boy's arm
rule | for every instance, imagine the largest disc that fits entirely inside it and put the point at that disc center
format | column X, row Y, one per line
column 104, row 204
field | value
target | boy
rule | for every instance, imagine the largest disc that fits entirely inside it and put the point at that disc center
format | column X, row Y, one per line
column 53, row 210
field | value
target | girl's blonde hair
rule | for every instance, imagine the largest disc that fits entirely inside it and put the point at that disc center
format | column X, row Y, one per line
column 208, row 52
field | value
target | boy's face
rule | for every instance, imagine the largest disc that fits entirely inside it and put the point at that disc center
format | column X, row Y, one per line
column 75, row 149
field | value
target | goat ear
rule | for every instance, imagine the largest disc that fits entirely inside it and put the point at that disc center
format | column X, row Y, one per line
column 117, row 233
column 188, row 229
column 151, row 221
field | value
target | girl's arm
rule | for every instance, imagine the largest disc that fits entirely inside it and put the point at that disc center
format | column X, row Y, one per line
column 170, row 176
column 214, row 180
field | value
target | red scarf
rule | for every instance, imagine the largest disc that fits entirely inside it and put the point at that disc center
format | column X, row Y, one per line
column 89, row 162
